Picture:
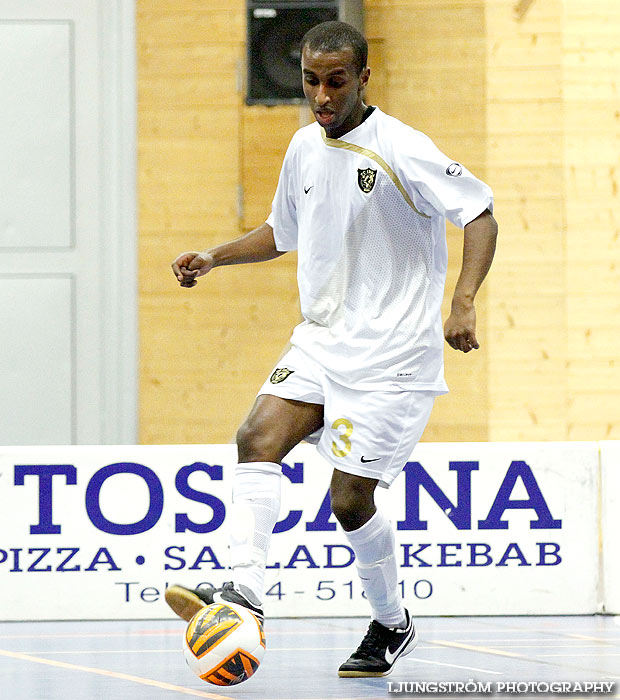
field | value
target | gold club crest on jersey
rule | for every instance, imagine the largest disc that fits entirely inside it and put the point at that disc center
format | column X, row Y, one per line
column 366, row 179
column 280, row 375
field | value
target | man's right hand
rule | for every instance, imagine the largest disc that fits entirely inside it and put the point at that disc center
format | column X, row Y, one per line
column 188, row 266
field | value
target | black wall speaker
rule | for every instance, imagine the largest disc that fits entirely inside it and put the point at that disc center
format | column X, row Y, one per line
column 274, row 31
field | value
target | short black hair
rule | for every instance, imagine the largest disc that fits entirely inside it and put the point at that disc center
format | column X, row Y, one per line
column 329, row 37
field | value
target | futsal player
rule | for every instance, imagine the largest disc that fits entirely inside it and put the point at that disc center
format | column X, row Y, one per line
column 364, row 200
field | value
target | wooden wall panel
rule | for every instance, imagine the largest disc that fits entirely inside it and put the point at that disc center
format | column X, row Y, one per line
column 554, row 130
column 266, row 133
column 433, row 78
column 527, row 314
column 199, row 145
column 207, row 173
column 188, row 129
column 527, row 101
column 591, row 63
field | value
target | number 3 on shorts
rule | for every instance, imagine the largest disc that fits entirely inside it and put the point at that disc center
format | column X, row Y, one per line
column 344, row 437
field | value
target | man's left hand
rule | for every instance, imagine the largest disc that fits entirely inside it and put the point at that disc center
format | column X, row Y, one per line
column 460, row 329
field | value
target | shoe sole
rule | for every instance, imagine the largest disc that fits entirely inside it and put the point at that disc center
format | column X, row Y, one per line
column 362, row 674
column 183, row 602
column 413, row 642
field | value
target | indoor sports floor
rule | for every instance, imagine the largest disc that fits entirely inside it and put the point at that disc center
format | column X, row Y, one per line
column 141, row 660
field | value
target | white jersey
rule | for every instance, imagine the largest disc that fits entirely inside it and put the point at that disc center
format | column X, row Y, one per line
column 367, row 215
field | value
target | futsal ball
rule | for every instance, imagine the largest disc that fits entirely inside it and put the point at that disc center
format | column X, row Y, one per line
column 224, row 644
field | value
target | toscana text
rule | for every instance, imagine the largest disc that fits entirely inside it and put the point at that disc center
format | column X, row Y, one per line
column 48, row 477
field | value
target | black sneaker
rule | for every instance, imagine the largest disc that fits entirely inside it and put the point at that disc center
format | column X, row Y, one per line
column 380, row 649
column 186, row 602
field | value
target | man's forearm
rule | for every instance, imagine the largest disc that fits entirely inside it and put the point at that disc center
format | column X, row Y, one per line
column 480, row 236
column 256, row 246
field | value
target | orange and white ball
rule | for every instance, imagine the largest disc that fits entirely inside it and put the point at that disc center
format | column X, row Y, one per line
column 224, row 644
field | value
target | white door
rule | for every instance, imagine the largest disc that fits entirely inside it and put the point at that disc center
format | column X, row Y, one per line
column 67, row 222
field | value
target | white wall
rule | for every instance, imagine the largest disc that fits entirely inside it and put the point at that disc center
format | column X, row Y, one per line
column 67, row 222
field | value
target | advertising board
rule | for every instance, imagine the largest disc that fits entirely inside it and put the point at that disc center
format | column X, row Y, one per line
column 481, row 529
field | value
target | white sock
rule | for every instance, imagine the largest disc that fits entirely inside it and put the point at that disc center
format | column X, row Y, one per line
column 252, row 517
column 374, row 548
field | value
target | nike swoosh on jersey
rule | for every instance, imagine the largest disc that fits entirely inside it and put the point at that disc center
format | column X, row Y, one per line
column 308, row 190
column 365, row 461
column 391, row 656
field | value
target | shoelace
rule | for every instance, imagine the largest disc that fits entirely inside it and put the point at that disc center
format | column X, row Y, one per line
column 374, row 639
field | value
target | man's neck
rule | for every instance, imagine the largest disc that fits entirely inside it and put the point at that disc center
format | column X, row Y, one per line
column 359, row 114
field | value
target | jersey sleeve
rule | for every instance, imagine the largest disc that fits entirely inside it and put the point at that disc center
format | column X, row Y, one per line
column 283, row 218
column 439, row 185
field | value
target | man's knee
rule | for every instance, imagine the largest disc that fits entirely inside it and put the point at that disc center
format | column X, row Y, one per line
column 352, row 506
column 343, row 506
column 275, row 426
column 256, row 442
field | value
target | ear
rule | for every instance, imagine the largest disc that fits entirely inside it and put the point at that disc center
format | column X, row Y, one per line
column 364, row 77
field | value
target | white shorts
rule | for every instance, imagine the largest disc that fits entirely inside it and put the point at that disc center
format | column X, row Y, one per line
column 367, row 433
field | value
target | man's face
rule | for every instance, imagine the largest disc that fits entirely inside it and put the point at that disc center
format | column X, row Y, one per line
column 334, row 89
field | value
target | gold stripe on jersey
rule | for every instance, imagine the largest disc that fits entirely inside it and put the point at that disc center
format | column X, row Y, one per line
column 337, row 143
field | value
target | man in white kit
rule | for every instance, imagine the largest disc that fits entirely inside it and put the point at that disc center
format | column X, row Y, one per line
column 363, row 198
